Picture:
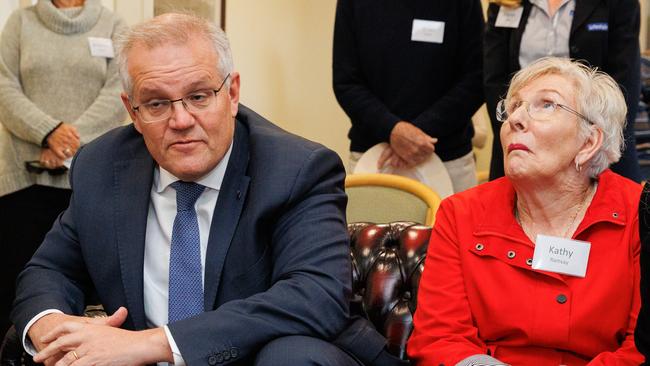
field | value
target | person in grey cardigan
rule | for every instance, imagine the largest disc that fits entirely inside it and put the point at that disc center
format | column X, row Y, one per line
column 59, row 89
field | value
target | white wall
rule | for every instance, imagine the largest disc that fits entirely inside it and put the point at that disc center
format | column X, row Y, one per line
column 283, row 49
column 6, row 8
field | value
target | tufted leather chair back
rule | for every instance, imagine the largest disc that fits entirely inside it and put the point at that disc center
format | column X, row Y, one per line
column 11, row 351
column 387, row 263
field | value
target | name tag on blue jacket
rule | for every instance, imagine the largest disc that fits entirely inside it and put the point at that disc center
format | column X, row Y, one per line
column 598, row 27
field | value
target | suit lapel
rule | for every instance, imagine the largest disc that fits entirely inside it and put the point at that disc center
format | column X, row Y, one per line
column 226, row 213
column 583, row 10
column 133, row 179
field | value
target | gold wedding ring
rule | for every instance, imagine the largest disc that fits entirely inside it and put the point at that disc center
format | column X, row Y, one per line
column 66, row 151
column 76, row 356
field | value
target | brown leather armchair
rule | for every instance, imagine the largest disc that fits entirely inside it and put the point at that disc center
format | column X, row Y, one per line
column 387, row 263
column 11, row 352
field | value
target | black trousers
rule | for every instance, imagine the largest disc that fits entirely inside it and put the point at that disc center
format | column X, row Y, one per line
column 25, row 217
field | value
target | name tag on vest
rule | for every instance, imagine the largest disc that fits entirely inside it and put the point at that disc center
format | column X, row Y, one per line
column 509, row 17
column 598, row 27
column 561, row 255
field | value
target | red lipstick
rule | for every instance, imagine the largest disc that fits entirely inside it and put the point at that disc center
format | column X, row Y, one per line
column 513, row 147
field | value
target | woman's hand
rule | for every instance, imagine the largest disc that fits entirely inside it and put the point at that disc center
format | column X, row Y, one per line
column 389, row 157
column 64, row 141
column 50, row 160
column 410, row 144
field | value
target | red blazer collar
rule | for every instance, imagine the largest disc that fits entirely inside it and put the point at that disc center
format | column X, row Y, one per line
column 608, row 205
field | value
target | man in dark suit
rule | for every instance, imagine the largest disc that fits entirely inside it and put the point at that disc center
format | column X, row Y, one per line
column 210, row 235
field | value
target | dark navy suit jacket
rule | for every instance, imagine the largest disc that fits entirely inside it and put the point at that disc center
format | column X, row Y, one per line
column 277, row 261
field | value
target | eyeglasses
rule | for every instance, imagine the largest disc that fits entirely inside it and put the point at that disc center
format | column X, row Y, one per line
column 539, row 109
column 161, row 109
column 35, row 166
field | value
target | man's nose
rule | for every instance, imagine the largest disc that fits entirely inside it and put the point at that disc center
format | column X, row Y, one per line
column 181, row 118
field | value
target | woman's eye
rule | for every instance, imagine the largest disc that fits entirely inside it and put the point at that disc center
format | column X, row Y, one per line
column 547, row 105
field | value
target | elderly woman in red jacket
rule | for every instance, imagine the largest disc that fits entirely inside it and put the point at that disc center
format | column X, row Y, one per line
column 539, row 267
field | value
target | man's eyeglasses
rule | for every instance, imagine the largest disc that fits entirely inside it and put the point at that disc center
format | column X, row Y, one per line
column 539, row 109
column 161, row 109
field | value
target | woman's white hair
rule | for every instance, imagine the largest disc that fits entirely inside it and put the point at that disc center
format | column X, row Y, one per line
column 598, row 97
column 171, row 28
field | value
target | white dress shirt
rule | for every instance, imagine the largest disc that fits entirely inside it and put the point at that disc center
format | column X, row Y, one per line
column 160, row 222
column 546, row 35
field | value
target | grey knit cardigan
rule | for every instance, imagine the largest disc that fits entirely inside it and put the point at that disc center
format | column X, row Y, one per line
column 48, row 75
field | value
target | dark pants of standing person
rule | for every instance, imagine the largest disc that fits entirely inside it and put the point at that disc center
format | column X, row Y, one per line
column 25, row 217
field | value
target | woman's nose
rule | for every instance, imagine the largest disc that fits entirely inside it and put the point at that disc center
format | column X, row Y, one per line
column 518, row 119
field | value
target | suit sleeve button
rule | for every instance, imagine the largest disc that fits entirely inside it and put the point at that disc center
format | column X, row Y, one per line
column 561, row 298
column 226, row 355
column 219, row 357
column 212, row 360
column 234, row 352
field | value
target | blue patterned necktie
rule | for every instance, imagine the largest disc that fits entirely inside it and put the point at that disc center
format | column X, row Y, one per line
column 185, row 279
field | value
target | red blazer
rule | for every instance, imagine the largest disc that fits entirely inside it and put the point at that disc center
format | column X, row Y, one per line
column 475, row 299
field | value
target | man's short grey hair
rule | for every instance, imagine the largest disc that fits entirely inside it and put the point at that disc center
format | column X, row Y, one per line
column 598, row 97
column 176, row 29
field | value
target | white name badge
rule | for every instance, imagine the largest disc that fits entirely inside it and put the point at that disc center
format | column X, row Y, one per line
column 561, row 255
column 101, row 47
column 428, row 31
column 509, row 17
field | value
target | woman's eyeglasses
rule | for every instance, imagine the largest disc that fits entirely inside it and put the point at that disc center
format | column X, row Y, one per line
column 539, row 109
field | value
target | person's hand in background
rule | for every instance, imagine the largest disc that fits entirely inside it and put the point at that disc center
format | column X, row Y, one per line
column 411, row 144
column 64, row 141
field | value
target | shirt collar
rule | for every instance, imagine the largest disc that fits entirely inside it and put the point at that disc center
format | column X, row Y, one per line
column 163, row 178
column 543, row 4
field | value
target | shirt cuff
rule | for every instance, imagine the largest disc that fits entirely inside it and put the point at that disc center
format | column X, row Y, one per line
column 481, row 360
column 27, row 343
column 178, row 359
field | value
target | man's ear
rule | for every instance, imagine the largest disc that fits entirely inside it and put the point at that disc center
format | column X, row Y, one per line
column 233, row 93
column 129, row 108
column 591, row 146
